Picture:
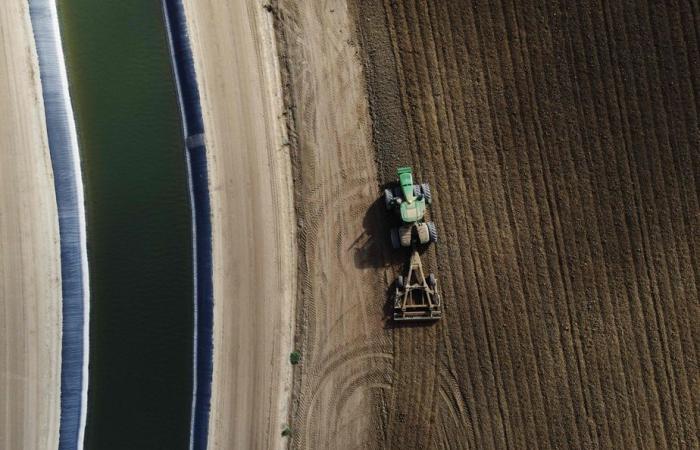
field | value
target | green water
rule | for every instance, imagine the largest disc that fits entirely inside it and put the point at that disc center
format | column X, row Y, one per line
column 138, row 223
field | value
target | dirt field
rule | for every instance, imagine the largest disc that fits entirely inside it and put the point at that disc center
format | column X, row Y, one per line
column 346, row 356
column 561, row 141
column 30, row 276
column 252, row 220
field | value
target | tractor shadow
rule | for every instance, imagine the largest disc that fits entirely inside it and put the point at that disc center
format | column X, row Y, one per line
column 373, row 250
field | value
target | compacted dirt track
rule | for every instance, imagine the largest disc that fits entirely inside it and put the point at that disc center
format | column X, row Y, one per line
column 346, row 358
column 252, row 221
column 561, row 140
column 30, row 266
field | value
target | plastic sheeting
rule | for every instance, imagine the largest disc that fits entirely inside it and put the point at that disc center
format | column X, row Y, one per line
column 65, row 160
column 193, row 127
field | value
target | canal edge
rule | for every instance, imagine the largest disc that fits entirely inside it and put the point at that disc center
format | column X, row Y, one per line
column 189, row 104
column 70, row 200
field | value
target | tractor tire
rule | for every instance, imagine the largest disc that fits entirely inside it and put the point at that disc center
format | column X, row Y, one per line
column 405, row 235
column 388, row 199
column 427, row 195
column 417, row 190
column 395, row 241
column 432, row 231
column 423, row 233
column 432, row 281
column 399, row 282
column 397, row 192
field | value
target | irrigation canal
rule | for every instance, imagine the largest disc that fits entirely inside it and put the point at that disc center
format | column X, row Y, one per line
column 138, row 224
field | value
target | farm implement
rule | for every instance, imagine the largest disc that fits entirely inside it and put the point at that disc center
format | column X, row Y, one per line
column 416, row 296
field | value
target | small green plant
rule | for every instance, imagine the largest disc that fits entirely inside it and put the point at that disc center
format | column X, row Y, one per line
column 286, row 432
column 295, row 357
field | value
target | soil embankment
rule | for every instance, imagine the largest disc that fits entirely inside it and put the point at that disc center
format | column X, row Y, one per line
column 30, row 277
column 252, row 221
column 561, row 141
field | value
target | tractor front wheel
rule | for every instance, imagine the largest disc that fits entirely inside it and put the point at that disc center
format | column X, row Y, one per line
column 432, row 231
column 425, row 188
column 388, row 199
column 395, row 240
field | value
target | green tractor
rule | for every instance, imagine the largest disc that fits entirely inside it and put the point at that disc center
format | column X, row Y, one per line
column 416, row 295
column 409, row 201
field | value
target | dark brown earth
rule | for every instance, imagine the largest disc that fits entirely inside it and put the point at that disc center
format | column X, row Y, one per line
column 562, row 143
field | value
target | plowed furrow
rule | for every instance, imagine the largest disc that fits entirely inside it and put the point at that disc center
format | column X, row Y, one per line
column 561, row 142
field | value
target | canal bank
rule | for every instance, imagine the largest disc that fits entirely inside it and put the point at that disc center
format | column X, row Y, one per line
column 139, row 225
column 198, row 180
column 253, row 222
column 65, row 161
column 30, row 253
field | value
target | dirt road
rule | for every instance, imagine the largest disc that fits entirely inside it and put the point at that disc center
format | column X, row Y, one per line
column 253, row 234
column 562, row 141
column 346, row 353
column 30, row 277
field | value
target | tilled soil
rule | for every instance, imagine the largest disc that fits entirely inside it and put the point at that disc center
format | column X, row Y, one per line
column 561, row 140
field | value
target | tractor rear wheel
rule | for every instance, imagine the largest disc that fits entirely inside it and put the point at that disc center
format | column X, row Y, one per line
column 432, row 231
column 395, row 241
column 425, row 188
column 431, row 280
column 423, row 233
column 399, row 282
column 388, row 199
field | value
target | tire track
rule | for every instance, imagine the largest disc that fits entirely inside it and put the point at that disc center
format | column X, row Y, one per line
column 346, row 354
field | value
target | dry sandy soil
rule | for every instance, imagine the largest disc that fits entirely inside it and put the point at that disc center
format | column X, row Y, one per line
column 561, row 141
column 254, row 226
column 253, row 236
column 30, row 288
column 346, row 356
